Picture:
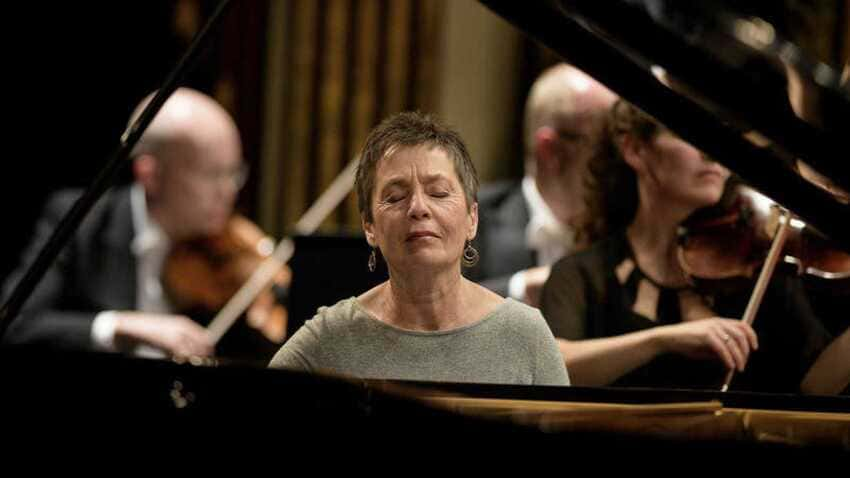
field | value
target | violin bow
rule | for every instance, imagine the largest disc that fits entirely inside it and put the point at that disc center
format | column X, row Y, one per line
column 265, row 272
column 764, row 278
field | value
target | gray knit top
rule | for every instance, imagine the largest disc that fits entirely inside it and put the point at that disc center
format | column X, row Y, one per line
column 511, row 345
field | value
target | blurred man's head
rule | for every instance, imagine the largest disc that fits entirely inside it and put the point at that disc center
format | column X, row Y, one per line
column 566, row 105
column 564, row 116
column 189, row 162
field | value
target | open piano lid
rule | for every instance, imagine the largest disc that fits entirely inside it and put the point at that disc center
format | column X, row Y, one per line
column 730, row 74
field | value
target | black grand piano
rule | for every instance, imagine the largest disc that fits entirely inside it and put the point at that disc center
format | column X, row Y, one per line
column 726, row 85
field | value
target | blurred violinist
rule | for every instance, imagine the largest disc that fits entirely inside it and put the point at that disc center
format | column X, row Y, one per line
column 105, row 290
column 624, row 311
column 527, row 226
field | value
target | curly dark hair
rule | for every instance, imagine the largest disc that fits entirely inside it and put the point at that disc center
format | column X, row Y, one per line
column 611, row 197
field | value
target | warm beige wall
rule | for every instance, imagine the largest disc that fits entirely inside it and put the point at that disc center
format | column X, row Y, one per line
column 451, row 57
column 478, row 82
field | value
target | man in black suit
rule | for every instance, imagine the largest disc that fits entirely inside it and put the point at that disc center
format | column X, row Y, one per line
column 525, row 227
column 104, row 291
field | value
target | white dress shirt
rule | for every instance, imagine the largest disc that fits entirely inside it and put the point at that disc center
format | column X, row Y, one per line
column 544, row 234
column 150, row 245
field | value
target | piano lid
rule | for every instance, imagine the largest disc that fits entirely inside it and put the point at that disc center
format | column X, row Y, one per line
column 721, row 80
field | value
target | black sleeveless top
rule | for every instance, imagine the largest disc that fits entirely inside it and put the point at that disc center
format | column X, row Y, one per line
column 592, row 294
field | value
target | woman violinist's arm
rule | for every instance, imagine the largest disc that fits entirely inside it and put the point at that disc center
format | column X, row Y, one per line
column 600, row 362
column 830, row 374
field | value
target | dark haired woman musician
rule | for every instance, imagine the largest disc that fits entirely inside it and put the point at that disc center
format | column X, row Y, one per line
column 624, row 311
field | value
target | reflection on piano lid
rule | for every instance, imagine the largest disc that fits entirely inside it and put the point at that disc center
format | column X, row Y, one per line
column 724, row 82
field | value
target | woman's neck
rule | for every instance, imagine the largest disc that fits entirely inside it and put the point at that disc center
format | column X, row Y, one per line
column 653, row 238
column 425, row 301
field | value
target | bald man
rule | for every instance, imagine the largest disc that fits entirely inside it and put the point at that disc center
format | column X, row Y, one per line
column 524, row 228
column 104, row 291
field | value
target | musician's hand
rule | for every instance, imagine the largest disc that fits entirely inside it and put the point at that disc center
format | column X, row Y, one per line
column 727, row 339
column 176, row 335
column 534, row 280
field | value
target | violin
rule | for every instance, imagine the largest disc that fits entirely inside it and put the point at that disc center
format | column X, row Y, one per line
column 732, row 239
column 201, row 275
column 236, row 270
column 747, row 231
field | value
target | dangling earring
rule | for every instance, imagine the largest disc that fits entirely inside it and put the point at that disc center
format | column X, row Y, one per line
column 470, row 255
column 373, row 261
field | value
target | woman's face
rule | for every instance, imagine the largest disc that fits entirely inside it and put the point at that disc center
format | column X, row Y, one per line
column 683, row 174
column 419, row 210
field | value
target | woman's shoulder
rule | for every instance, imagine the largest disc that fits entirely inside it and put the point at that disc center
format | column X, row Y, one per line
column 343, row 308
column 518, row 316
column 334, row 318
column 339, row 322
column 306, row 348
column 596, row 258
column 518, row 323
column 514, row 308
column 581, row 279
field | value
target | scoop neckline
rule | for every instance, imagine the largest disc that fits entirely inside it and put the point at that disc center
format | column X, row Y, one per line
column 430, row 333
column 630, row 255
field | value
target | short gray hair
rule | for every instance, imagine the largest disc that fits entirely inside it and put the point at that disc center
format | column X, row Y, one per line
column 411, row 129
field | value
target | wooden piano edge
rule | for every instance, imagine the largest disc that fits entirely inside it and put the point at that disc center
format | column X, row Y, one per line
column 706, row 420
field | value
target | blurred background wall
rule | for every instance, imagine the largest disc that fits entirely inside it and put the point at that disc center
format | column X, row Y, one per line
column 305, row 80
